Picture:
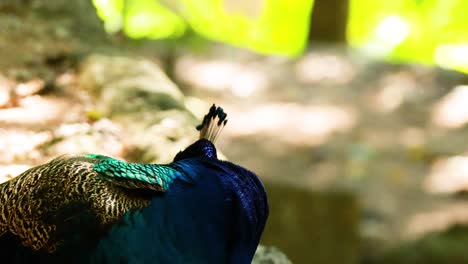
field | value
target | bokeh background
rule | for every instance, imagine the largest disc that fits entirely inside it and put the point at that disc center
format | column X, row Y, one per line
column 353, row 112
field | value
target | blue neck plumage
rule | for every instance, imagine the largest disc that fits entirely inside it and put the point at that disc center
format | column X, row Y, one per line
column 216, row 217
column 202, row 148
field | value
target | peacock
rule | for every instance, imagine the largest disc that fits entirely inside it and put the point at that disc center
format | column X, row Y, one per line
column 97, row 209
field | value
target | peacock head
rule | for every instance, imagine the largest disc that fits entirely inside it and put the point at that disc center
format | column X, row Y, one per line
column 248, row 196
column 211, row 127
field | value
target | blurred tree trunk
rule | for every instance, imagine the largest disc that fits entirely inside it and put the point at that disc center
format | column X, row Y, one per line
column 329, row 20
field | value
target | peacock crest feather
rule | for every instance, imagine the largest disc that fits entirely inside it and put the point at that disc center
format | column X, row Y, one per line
column 213, row 123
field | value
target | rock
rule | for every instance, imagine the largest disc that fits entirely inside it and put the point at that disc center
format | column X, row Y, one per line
column 270, row 255
column 160, row 137
column 46, row 28
column 128, row 86
column 103, row 137
column 136, row 94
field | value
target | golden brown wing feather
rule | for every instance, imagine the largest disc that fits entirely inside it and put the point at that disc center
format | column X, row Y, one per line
column 28, row 201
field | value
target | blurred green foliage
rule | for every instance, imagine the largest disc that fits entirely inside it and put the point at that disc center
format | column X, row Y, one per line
column 423, row 31
column 266, row 26
column 140, row 18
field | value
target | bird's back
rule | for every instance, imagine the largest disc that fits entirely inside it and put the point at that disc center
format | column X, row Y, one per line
column 205, row 221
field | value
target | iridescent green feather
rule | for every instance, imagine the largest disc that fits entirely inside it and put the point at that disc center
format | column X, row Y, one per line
column 134, row 175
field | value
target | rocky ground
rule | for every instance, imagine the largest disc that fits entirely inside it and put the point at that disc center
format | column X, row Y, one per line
column 358, row 156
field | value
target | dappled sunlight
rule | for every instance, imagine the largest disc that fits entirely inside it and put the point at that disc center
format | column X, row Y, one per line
column 412, row 137
column 67, row 130
column 29, row 88
column 222, row 75
column 110, row 12
column 308, row 125
column 66, row 79
column 8, row 172
column 389, row 33
column 429, row 32
column 252, row 9
column 148, row 18
column 102, row 136
column 17, row 144
column 392, row 30
column 452, row 110
column 37, row 110
column 140, row 19
column 395, row 89
column 436, row 220
column 452, row 56
column 212, row 75
column 264, row 26
column 448, row 175
column 4, row 94
column 25, row 128
column 389, row 98
column 314, row 68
